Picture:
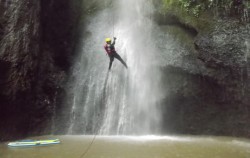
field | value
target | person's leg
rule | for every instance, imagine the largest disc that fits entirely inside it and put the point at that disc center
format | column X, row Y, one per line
column 117, row 56
column 111, row 58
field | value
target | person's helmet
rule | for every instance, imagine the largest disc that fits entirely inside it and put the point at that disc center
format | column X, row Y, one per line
column 108, row 39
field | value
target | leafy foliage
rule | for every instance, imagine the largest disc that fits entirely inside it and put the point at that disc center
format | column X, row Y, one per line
column 195, row 7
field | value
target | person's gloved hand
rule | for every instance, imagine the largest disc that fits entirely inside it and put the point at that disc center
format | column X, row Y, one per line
column 114, row 38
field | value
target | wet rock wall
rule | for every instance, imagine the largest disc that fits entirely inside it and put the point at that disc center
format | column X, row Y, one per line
column 35, row 51
column 213, row 98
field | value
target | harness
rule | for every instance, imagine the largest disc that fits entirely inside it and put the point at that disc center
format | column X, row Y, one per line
column 110, row 49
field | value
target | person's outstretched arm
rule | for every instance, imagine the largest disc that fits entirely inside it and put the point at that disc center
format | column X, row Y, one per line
column 114, row 41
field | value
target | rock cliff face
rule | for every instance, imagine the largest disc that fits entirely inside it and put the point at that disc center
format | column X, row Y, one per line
column 35, row 53
column 226, row 57
column 211, row 96
column 21, row 51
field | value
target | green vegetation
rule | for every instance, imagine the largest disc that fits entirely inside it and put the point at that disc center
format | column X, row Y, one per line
column 196, row 7
column 202, row 14
column 187, row 13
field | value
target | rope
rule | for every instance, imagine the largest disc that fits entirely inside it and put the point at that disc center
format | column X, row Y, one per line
column 113, row 25
column 94, row 138
column 113, row 19
column 90, row 145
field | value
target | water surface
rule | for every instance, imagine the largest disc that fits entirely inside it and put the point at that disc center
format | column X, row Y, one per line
column 134, row 147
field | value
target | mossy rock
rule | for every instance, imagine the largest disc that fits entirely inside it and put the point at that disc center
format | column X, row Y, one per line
column 202, row 21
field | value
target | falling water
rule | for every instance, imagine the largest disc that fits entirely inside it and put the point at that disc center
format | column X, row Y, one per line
column 247, row 43
column 120, row 101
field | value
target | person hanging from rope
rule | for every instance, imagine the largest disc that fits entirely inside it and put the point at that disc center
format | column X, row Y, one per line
column 111, row 52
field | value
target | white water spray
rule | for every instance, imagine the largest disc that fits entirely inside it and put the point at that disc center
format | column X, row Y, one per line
column 122, row 101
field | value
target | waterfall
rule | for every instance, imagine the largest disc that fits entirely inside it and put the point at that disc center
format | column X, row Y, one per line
column 247, row 55
column 120, row 101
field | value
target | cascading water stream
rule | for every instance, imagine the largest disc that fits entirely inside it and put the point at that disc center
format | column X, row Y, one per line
column 120, row 101
column 247, row 42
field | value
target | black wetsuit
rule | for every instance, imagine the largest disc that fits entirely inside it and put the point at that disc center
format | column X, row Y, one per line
column 110, row 49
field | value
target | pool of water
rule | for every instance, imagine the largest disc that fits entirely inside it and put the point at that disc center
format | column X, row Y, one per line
column 134, row 147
